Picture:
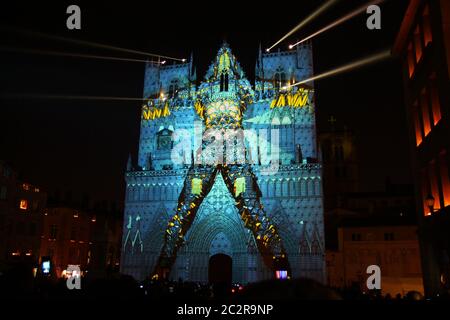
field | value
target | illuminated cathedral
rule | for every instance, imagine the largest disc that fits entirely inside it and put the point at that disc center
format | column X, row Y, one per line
column 228, row 180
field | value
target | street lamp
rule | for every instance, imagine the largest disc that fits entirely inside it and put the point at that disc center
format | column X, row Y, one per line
column 430, row 203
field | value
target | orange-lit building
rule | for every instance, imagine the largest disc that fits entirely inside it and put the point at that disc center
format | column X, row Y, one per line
column 423, row 45
column 78, row 237
column 395, row 249
column 66, row 238
column 21, row 208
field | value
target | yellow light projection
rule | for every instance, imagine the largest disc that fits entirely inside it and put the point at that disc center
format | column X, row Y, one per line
column 224, row 62
column 199, row 108
column 297, row 100
column 196, row 186
column 239, row 186
column 155, row 113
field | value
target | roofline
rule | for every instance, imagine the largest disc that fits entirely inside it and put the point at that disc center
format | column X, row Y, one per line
column 405, row 27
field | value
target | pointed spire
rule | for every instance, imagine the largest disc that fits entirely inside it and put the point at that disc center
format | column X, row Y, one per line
column 129, row 163
column 194, row 74
column 191, row 64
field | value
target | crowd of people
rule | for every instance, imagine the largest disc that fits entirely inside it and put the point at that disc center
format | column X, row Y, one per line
column 125, row 287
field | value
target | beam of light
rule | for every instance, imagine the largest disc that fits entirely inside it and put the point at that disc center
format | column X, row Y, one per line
column 33, row 96
column 337, row 22
column 74, row 55
column 351, row 66
column 92, row 44
column 313, row 15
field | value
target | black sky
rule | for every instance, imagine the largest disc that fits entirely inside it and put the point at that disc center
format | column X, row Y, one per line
column 83, row 145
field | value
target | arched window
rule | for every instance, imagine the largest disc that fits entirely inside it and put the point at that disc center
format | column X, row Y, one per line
column 279, row 79
column 222, row 78
column 224, row 82
column 173, row 88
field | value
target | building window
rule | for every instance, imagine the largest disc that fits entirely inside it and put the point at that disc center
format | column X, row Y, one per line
column 418, row 43
column 173, row 88
column 410, row 58
column 425, row 112
column 417, row 124
column 279, row 79
column 427, row 34
column 389, row 236
column 3, row 193
column 436, row 106
column 23, row 205
column 425, row 186
column 445, row 178
column 356, row 236
column 164, row 139
column 53, row 231
column 224, row 82
column 434, row 184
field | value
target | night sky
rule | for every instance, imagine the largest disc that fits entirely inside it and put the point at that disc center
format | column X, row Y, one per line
column 83, row 145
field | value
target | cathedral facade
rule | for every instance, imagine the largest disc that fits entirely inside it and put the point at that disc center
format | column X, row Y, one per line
column 198, row 193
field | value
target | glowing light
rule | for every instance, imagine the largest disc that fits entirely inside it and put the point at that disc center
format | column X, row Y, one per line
column 347, row 67
column 89, row 44
column 74, row 55
column 311, row 17
column 23, row 205
column 297, row 100
column 196, row 186
column 337, row 22
column 65, row 97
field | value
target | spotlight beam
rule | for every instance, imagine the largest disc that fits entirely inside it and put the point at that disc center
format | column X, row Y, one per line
column 65, row 97
column 73, row 55
column 93, row 44
column 337, row 22
column 351, row 66
column 313, row 15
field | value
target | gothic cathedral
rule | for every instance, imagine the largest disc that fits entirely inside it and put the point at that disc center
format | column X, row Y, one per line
column 229, row 173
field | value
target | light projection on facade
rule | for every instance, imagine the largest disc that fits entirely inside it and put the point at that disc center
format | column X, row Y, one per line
column 259, row 187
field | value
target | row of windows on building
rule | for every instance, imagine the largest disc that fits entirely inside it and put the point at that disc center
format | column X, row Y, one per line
column 436, row 184
column 26, row 187
column 388, row 236
column 304, row 187
column 279, row 81
column 420, row 38
column 426, row 110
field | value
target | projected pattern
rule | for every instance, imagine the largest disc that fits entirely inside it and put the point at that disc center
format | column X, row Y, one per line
column 264, row 218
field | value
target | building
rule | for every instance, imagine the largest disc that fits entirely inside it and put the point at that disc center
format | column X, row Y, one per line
column 396, row 201
column 89, row 239
column 21, row 208
column 340, row 164
column 245, row 206
column 423, row 45
column 394, row 248
column 66, row 238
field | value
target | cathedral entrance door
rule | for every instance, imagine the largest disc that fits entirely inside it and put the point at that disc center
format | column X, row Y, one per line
column 220, row 273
